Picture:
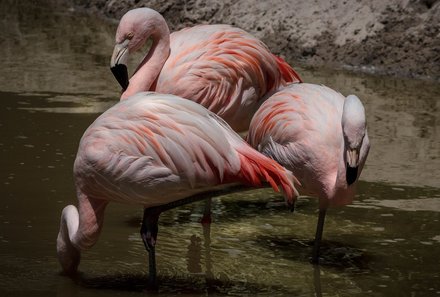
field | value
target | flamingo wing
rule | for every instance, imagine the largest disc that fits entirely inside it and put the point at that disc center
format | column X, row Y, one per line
column 140, row 149
column 296, row 127
column 223, row 68
column 151, row 144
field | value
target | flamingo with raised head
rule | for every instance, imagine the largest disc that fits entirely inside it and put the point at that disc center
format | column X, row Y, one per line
column 318, row 134
column 223, row 68
column 158, row 151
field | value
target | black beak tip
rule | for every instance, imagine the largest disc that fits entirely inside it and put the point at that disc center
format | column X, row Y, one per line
column 351, row 174
column 120, row 72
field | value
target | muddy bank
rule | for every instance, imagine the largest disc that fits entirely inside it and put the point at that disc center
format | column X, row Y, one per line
column 396, row 37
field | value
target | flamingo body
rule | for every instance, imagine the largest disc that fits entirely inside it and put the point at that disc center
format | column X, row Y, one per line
column 300, row 127
column 222, row 68
column 154, row 144
column 320, row 136
column 152, row 150
column 225, row 69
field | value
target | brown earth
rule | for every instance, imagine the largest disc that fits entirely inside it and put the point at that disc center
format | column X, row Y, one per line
column 395, row 37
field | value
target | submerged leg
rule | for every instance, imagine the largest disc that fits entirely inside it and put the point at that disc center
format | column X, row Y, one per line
column 206, row 219
column 318, row 235
column 149, row 231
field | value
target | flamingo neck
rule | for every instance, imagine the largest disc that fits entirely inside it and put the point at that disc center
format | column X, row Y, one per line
column 78, row 231
column 68, row 252
column 151, row 65
column 342, row 193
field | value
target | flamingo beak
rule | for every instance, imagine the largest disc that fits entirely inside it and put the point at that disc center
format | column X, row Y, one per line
column 353, row 157
column 352, row 166
column 118, row 64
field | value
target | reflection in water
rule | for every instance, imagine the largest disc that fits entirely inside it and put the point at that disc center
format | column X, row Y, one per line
column 317, row 280
column 207, row 246
column 194, row 255
column 67, row 287
column 197, row 283
column 55, row 81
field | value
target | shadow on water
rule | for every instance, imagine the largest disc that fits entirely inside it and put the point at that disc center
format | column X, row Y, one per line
column 175, row 284
column 242, row 207
column 201, row 283
column 333, row 254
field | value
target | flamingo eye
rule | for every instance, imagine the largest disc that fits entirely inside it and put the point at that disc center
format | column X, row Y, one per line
column 130, row 35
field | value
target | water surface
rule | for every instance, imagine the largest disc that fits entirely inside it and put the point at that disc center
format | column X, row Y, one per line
column 55, row 81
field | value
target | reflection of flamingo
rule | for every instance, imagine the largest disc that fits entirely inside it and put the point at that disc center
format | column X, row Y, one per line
column 225, row 69
column 159, row 151
column 318, row 134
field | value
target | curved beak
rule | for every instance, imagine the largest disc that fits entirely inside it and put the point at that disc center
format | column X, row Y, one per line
column 353, row 157
column 351, row 174
column 352, row 166
column 118, row 63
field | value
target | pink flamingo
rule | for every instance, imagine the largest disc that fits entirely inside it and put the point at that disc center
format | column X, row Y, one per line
column 225, row 69
column 159, row 151
column 318, row 134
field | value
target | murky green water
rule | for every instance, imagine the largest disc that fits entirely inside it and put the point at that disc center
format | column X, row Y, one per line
column 54, row 81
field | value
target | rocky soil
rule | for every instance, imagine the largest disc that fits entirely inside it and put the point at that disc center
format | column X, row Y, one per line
column 395, row 37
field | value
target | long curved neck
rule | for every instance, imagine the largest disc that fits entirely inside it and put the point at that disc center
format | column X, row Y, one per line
column 68, row 255
column 150, row 67
column 343, row 194
column 79, row 230
column 342, row 167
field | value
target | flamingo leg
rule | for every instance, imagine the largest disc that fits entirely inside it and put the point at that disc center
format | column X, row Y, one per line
column 318, row 235
column 207, row 219
column 150, row 220
column 148, row 232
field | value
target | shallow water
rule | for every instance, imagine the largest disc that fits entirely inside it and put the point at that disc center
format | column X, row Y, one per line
column 55, row 81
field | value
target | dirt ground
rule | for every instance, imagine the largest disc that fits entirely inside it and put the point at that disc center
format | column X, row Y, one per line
column 394, row 37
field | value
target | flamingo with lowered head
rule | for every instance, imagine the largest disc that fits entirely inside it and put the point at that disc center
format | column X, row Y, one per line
column 159, row 151
column 318, row 134
column 223, row 68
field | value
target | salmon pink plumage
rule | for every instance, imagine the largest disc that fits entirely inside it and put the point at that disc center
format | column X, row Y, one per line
column 318, row 134
column 157, row 151
column 224, row 68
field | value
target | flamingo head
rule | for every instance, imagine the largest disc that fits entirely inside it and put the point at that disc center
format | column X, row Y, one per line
column 356, row 143
column 134, row 29
column 68, row 255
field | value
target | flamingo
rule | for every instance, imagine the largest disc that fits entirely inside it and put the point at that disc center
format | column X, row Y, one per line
column 318, row 134
column 225, row 69
column 158, row 151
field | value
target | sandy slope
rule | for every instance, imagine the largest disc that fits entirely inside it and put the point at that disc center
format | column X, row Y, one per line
column 398, row 37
